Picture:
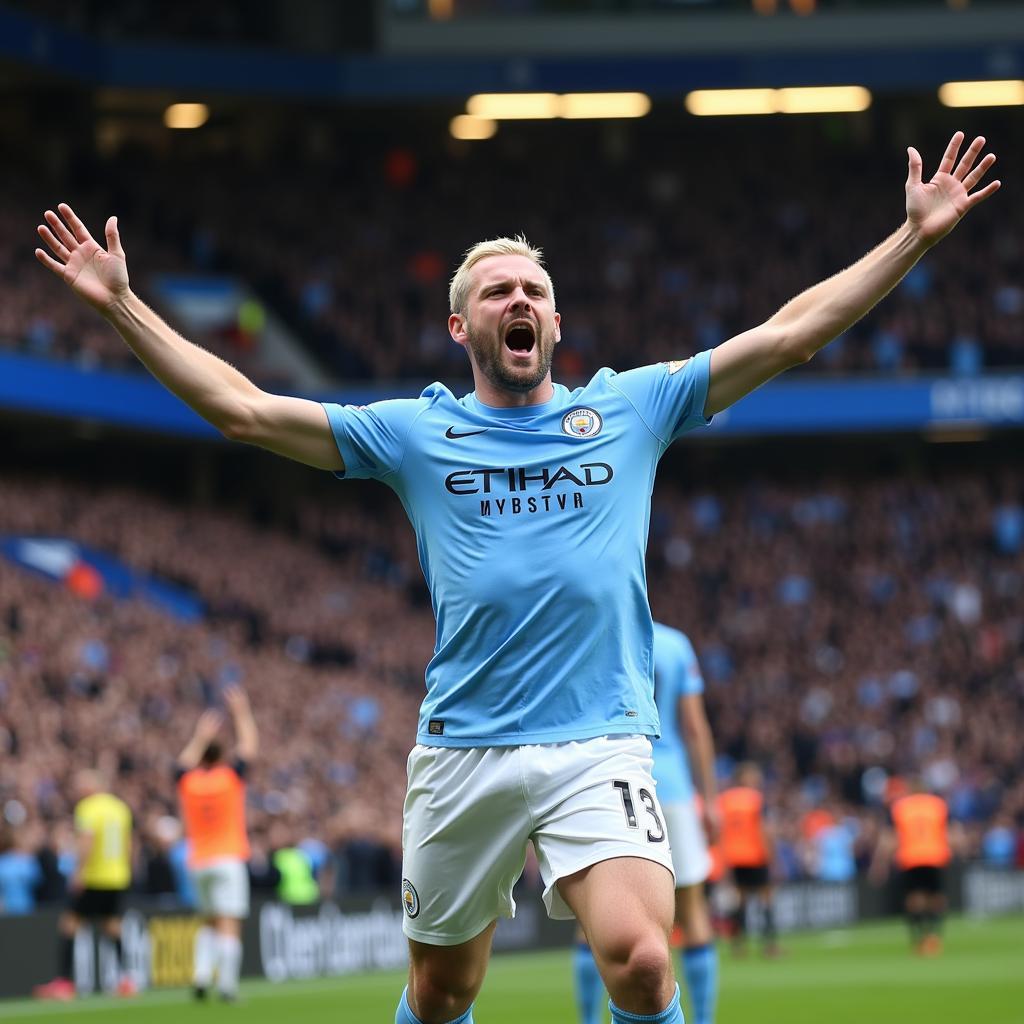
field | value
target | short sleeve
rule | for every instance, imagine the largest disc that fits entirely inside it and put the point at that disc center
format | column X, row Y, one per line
column 693, row 681
column 372, row 438
column 668, row 397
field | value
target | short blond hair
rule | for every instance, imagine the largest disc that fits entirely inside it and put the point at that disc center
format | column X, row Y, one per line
column 458, row 290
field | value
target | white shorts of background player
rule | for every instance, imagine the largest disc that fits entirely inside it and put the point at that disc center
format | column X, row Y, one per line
column 222, row 888
column 690, row 856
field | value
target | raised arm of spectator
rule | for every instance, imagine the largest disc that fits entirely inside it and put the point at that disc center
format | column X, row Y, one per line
column 700, row 747
column 820, row 314
column 294, row 427
column 207, row 727
column 246, row 736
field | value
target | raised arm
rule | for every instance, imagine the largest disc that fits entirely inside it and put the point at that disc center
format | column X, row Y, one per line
column 207, row 727
column 246, row 736
column 294, row 427
column 820, row 314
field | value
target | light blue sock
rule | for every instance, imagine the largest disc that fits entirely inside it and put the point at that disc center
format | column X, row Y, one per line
column 672, row 1014
column 700, row 967
column 404, row 1015
column 589, row 986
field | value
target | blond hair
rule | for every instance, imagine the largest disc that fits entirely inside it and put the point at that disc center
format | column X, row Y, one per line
column 458, row 290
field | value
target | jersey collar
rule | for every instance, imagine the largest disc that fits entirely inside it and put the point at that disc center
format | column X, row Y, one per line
column 516, row 412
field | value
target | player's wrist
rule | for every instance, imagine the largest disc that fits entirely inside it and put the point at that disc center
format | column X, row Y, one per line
column 912, row 239
column 119, row 307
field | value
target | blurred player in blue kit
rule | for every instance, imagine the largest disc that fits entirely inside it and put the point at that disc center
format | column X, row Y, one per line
column 530, row 504
column 690, row 823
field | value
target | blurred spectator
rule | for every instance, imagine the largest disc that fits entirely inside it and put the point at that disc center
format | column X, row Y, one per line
column 20, row 874
column 161, row 875
column 999, row 843
column 663, row 265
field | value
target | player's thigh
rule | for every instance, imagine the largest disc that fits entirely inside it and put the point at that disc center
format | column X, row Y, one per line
column 595, row 801
column 620, row 903
column 691, row 860
column 464, row 836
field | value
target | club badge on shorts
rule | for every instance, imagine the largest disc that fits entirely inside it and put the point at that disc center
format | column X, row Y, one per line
column 582, row 423
column 410, row 898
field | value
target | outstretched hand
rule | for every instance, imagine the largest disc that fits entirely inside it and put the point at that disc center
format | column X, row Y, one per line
column 98, row 276
column 935, row 207
column 236, row 699
column 209, row 725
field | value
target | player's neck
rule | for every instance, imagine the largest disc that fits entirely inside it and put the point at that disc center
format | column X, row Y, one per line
column 503, row 398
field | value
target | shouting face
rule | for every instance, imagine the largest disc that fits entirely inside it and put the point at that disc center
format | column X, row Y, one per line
column 509, row 326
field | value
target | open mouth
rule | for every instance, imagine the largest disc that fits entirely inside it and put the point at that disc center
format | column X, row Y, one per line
column 520, row 337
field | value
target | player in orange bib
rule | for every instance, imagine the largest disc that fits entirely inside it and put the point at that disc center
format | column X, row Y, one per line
column 211, row 791
column 747, row 850
column 919, row 841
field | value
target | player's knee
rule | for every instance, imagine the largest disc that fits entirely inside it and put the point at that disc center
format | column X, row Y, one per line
column 434, row 1002
column 641, row 965
column 437, row 994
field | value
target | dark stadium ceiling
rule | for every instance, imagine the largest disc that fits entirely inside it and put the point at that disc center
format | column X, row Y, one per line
column 661, row 56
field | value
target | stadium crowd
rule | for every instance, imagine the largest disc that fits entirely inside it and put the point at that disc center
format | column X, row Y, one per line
column 353, row 244
column 881, row 640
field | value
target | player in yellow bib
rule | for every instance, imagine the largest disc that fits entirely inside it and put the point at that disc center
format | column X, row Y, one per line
column 103, row 826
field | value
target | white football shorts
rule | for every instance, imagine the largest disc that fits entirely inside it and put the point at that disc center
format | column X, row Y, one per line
column 222, row 888
column 690, row 856
column 470, row 811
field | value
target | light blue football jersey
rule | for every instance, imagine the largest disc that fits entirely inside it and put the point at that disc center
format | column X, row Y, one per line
column 676, row 674
column 531, row 527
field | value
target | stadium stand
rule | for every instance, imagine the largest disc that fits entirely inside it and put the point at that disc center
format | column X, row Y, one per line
column 882, row 642
column 356, row 251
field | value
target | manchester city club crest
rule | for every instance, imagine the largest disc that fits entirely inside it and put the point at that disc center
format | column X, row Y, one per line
column 410, row 898
column 581, row 423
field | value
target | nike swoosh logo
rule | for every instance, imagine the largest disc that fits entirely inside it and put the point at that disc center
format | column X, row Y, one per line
column 452, row 434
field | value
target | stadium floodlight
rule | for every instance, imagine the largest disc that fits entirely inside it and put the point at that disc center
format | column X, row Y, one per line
column 831, row 99
column 1007, row 92
column 604, row 104
column 466, row 126
column 722, row 102
column 186, row 115
column 514, row 106
column 542, row 106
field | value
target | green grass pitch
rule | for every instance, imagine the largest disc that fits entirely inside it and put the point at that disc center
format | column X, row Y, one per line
column 858, row 976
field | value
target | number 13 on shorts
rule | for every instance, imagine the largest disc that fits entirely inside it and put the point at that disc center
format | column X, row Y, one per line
column 655, row 833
